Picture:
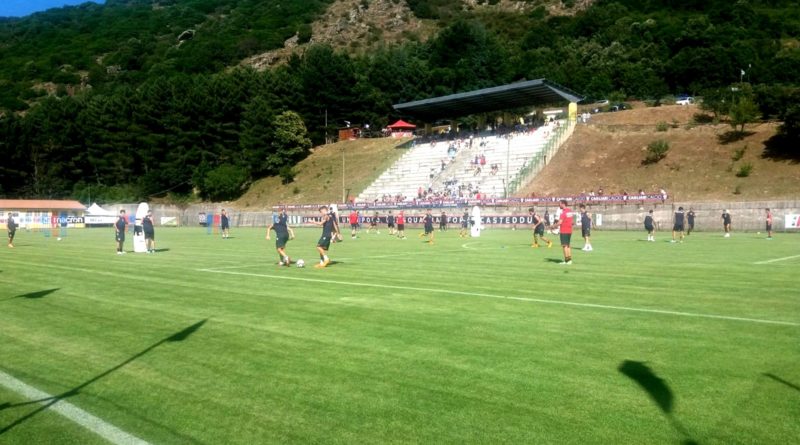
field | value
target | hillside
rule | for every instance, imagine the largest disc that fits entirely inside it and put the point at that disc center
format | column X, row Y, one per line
column 608, row 154
column 139, row 98
column 319, row 176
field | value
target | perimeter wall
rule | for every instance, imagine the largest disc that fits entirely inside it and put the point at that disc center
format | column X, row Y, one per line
column 747, row 216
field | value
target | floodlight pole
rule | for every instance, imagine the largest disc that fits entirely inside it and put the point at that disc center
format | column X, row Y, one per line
column 344, row 193
column 508, row 160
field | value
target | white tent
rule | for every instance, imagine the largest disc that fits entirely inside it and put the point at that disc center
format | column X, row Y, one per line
column 96, row 215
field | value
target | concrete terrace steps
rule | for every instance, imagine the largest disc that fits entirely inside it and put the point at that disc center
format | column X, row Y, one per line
column 421, row 166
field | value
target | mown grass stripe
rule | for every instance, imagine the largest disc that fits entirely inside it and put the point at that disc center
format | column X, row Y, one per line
column 507, row 297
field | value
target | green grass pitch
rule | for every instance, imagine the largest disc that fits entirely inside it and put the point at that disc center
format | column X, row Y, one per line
column 482, row 340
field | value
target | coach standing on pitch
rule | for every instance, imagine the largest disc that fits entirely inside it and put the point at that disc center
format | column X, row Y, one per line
column 11, row 225
column 149, row 232
column 119, row 231
column 564, row 223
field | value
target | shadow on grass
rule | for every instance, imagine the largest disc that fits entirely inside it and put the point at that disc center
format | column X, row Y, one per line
column 658, row 390
column 161, row 250
column 554, row 260
column 781, row 147
column 50, row 401
column 780, row 380
column 732, row 136
column 33, row 295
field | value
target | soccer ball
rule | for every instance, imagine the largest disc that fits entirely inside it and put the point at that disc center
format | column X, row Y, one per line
column 301, row 263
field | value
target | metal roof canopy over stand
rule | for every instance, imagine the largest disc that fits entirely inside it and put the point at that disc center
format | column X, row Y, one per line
column 504, row 97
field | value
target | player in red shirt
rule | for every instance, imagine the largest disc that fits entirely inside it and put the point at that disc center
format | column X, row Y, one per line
column 564, row 223
column 353, row 223
column 401, row 225
column 769, row 224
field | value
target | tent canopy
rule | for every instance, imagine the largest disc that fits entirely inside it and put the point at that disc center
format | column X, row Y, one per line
column 96, row 210
column 401, row 124
column 503, row 97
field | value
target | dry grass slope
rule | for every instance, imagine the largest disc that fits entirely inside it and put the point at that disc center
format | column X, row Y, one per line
column 608, row 153
column 319, row 178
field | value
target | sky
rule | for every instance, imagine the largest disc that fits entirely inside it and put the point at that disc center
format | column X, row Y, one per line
column 19, row 8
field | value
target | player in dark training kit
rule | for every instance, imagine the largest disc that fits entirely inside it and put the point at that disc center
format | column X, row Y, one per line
column 119, row 231
column 427, row 222
column 679, row 224
column 726, row 223
column 464, row 225
column 149, row 232
column 650, row 226
column 283, row 233
column 586, row 229
column 538, row 229
column 11, row 225
column 224, row 224
column 443, row 222
column 690, row 221
column 328, row 231
column 390, row 223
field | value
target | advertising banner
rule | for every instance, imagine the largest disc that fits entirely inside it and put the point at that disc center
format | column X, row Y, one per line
column 792, row 221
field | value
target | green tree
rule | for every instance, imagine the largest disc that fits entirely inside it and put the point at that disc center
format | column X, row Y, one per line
column 290, row 143
column 225, row 182
column 256, row 136
column 744, row 111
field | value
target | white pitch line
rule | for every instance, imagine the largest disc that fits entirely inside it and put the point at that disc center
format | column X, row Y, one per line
column 506, row 297
column 392, row 255
column 71, row 412
column 778, row 259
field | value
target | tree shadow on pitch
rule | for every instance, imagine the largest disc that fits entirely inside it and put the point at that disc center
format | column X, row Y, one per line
column 658, row 390
column 50, row 401
column 33, row 295
column 780, row 380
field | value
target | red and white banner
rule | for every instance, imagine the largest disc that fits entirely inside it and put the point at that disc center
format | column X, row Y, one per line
column 792, row 222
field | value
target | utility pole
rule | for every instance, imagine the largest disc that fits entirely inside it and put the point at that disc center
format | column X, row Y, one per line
column 344, row 192
column 508, row 160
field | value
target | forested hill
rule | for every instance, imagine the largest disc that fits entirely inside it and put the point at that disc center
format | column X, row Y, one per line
column 135, row 98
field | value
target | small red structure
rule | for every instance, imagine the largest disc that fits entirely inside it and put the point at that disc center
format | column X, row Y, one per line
column 402, row 129
column 349, row 133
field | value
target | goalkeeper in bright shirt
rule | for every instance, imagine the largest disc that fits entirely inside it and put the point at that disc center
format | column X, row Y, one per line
column 564, row 223
column 283, row 233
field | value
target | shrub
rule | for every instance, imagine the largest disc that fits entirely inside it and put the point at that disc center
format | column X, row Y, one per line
column 738, row 153
column 744, row 170
column 287, row 174
column 656, row 151
column 662, row 126
column 702, row 118
column 225, row 182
